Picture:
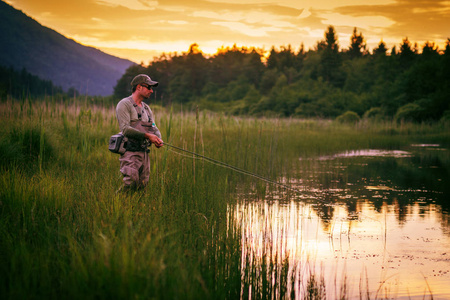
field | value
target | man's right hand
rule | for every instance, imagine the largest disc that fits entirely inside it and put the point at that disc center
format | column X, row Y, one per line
column 154, row 140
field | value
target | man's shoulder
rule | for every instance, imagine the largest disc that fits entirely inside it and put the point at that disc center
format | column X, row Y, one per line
column 125, row 101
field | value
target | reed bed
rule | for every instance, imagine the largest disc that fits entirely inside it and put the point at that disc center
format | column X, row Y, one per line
column 66, row 233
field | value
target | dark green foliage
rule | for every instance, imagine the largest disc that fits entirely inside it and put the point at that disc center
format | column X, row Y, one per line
column 409, row 112
column 446, row 117
column 286, row 60
column 375, row 114
column 23, row 84
column 407, row 53
column 349, row 117
column 325, row 82
column 380, row 50
column 357, row 45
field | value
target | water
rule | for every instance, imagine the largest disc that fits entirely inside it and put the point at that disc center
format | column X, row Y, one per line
column 385, row 231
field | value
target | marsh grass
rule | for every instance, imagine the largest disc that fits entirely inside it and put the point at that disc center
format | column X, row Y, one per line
column 66, row 233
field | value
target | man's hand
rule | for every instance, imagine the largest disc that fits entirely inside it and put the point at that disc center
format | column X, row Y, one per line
column 154, row 140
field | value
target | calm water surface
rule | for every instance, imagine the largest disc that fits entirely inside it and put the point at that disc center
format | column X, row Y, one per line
column 376, row 220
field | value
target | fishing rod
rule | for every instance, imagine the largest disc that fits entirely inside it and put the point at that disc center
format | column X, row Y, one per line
column 234, row 168
column 222, row 164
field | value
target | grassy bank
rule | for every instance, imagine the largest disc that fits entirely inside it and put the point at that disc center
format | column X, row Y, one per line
column 66, row 233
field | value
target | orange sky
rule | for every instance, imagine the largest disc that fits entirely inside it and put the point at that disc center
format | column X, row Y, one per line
column 142, row 29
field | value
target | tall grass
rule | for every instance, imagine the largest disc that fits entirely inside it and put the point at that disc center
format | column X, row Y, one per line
column 66, row 233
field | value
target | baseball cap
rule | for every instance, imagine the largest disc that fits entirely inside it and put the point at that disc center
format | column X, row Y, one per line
column 142, row 78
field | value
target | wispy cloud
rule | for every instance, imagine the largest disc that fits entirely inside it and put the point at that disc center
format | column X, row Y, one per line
column 365, row 22
column 418, row 19
column 131, row 4
column 246, row 29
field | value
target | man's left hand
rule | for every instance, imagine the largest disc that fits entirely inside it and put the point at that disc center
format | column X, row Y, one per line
column 154, row 140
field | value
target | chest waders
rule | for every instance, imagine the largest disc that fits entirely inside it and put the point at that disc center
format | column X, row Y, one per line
column 135, row 163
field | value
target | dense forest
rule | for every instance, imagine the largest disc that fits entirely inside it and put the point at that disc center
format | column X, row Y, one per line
column 410, row 82
column 20, row 85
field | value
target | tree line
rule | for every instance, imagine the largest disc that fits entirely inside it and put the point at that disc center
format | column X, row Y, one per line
column 22, row 84
column 406, row 83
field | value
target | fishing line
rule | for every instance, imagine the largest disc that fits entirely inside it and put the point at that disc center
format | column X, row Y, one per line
column 219, row 163
column 242, row 171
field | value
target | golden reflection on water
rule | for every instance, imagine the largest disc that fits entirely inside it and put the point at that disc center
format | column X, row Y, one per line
column 375, row 252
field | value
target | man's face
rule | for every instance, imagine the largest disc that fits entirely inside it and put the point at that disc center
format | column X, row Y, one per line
column 145, row 90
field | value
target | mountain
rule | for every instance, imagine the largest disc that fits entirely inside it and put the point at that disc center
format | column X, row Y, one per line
column 24, row 43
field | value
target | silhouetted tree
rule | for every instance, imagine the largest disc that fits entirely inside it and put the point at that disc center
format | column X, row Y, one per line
column 429, row 49
column 331, row 42
column 284, row 59
column 407, row 53
column 272, row 59
column 301, row 55
column 320, row 46
column 330, row 59
column 357, row 44
column 381, row 49
column 229, row 63
column 447, row 47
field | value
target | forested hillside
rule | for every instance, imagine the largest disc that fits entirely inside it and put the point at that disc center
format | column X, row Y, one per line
column 43, row 52
column 20, row 85
column 407, row 82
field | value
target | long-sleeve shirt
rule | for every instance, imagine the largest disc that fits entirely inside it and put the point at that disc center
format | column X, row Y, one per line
column 126, row 113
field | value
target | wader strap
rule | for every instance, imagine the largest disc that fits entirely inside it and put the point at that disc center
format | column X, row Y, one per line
column 139, row 112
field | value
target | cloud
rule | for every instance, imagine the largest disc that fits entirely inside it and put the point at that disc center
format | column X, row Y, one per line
column 218, row 16
column 305, row 13
column 257, row 17
column 366, row 22
column 131, row 4
column 177, row 22
column 246, row 29
column 295, row 4
column 418, row 19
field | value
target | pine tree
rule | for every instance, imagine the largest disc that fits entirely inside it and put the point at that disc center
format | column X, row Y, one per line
column 380, row 50
column 330, row 59
column 357, row 44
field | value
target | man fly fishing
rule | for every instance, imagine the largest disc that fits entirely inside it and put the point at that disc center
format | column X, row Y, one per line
column 137, row 124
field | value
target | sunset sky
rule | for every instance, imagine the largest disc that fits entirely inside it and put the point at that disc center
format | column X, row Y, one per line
column 142, row 29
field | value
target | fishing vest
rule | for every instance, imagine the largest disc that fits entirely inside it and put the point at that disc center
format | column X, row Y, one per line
column 148, row 126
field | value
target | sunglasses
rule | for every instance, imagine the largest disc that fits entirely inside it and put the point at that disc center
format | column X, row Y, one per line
column 147, row 86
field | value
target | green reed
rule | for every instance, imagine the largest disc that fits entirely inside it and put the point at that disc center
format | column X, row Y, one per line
column 66, row 233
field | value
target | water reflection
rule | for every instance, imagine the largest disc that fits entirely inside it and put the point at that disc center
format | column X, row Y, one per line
column 367, row 153
column 385, row 231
